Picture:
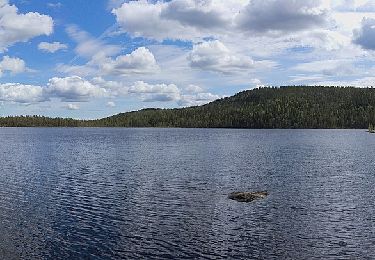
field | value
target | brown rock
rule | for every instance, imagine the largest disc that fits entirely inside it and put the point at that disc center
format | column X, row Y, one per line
column 247, row 196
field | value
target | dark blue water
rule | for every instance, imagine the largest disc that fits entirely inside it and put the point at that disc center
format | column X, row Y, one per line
column 162, row 193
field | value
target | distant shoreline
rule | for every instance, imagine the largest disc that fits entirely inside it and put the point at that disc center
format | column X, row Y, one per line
column 290, row 107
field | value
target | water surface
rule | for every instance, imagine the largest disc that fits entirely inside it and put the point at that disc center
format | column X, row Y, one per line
column 112, row 193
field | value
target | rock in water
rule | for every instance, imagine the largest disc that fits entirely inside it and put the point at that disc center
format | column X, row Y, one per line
column 247, row 196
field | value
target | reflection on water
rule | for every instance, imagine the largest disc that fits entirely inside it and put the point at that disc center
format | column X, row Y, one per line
column 161, row 193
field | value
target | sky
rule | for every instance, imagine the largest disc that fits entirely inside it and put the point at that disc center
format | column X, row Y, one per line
column 90, row 59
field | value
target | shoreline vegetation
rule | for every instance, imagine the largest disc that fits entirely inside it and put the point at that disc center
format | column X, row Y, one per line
column 304, row 107
column 371, row 129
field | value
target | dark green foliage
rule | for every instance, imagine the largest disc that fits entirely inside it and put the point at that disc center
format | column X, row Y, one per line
column 284, row 107
column 38, row 121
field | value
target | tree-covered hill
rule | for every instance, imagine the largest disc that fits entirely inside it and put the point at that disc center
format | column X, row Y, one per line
column 284, row 107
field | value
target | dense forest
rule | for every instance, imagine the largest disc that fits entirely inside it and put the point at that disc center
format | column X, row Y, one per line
column 271, row 107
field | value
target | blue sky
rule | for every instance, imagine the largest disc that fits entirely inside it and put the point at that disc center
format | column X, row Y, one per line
column 90, row 59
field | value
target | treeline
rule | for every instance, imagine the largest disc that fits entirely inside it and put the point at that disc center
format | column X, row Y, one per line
column 282, row 107
column 38, row 121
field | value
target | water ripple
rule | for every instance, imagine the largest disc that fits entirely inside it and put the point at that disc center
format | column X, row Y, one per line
column 162, row 193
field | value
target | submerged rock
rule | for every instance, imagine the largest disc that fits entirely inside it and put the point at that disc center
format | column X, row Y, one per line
column 247, row 196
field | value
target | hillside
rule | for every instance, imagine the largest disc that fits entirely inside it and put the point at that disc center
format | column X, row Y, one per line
column 284, row 107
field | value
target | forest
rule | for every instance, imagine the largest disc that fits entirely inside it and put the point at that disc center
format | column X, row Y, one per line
column 269, row 107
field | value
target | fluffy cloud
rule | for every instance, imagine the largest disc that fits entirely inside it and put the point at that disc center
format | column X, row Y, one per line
column 131, row 17
column 215, row 56
column 72, row 107
column 197, row 99
column 12, row 65
column 140, row 61
column 191, row 95
column 327, row 67
column 76, row 89
column 115, row 88
column 52, row 47
column 157, row 92
column 73, row 89
column 369, row 6
column 14, row 92
column 281, row 16
column 193, row 89
column 255, row 81
column 196, row 19
column 345, row 6
column 198, row 14
column 324, row 40
column 15, row 27
column 111, row 104
column 365, row 36
column 177, row 19
column 101, row 61
column 66, row 89
column 355, row 6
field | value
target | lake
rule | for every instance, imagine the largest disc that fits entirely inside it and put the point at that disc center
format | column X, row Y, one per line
column 112, row 193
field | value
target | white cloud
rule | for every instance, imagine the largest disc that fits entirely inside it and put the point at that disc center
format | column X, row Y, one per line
column 73, row 89
column 102, row 59
column 55, row 5
column 195, row 19
column 14, row 92
column 324, row 40
column 72, row 106
column 177, row 19
column 359, row 83
column 111, row 104
column 131, row 16
column 354, row 6
column 16, row 27
column 369, row 6
column 364, row 82
column 114, row 88
column 304, row 78
column 76, row 89
column 77, row 70
column 327, row 67
column 90, row 47
column 191, row 95
column 215, row 56
column 197, row 99
column 345, row 5
column 157, row 92
column 256, row 81
column 281, row 16
column 52, row 47
column 12, row 65
column 365, row 36
column 64, row 89
column 198, row 14
column 193, row 89
column 140, row 61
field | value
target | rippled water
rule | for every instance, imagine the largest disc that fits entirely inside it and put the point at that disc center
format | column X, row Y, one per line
column 162, row 193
